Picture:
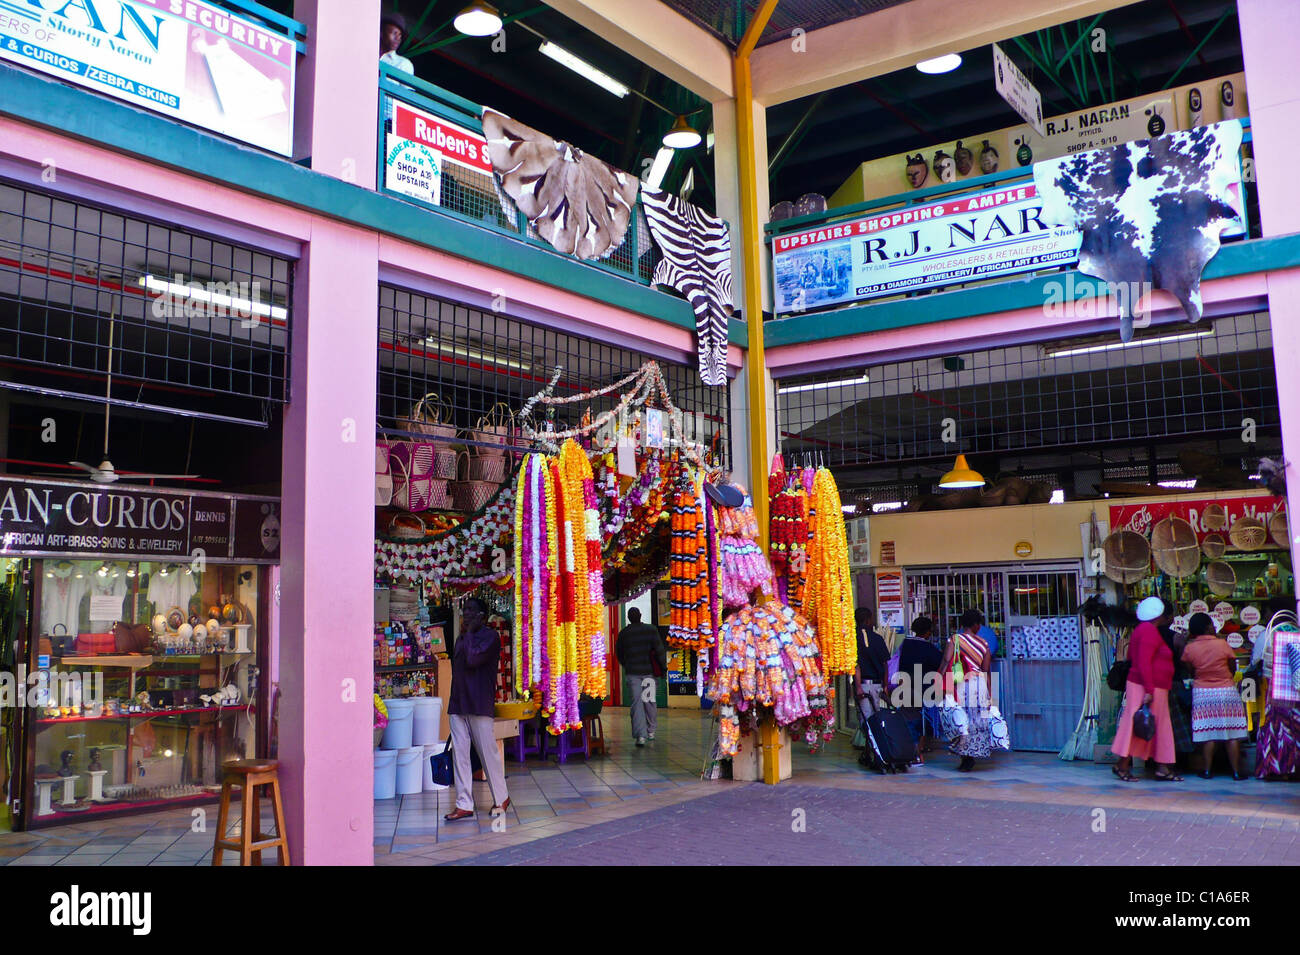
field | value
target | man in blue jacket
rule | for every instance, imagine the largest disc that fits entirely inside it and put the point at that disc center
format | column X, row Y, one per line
column 471, row 709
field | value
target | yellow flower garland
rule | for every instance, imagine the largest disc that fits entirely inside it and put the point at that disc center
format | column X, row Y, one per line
column 576, row 540
column 554, row 645
column 521, row 642
column 829, row 598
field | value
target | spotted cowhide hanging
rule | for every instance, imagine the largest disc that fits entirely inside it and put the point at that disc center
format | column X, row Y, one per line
column 577, row 203
column 1150, row 211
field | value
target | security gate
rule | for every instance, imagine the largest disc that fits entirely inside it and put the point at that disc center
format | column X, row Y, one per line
column 1039, row 661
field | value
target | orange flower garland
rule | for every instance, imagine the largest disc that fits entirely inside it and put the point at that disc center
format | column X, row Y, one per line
column 690, row 621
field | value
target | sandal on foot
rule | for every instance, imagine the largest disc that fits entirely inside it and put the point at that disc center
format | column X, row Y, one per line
column 1167, row 778
column 458, row 814
column 1121, row 775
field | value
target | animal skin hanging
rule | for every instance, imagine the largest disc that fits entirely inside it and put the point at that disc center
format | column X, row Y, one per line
column 696, row 262
column 577, row 203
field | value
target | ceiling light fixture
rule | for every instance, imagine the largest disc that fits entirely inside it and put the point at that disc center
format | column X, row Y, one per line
column 961, row 475
column 682, row 135
column 1112, row 346
column 580, row 66
column 240, row 306
column 478, row 19
column 940, row 64
column 815, row 385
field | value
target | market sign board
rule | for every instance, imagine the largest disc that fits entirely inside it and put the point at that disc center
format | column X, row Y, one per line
column 68, row 519
column 420, row 147
column 186, row 59
column 1140, row 518
column 1097, row 127
column 1014, row 87
column 961, row 239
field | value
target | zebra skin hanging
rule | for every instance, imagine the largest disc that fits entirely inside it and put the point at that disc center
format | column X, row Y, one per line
column 697, row 262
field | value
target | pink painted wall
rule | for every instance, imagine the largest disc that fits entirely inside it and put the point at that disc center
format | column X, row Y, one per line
column 1268, row 33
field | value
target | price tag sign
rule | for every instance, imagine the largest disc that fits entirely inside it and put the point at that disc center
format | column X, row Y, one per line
column 1224, row 610
column 1250, row 616
column 1234, row 640
column 1198, row 606
column 1254, row 633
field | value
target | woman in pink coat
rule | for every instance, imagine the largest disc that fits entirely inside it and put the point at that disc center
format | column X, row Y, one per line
column 1150, row 677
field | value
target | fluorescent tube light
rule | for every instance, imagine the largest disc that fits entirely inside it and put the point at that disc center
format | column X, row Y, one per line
column 1186, row 484
column 562, row 56
column 886, row 506
column 456, row 351
column 1112, row 346
column 196, row 291
column 815, row 385
column 659, row 168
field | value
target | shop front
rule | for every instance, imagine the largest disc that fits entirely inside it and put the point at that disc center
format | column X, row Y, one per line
column 137, row 638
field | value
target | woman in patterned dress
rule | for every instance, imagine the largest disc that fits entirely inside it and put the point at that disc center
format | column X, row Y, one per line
column 974, row 692
column 1218, row 714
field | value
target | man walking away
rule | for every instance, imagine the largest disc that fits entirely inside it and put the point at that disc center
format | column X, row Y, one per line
column 471, row 709
column 644, row 657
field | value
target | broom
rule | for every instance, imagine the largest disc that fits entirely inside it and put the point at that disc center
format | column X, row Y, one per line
column 1084, row 738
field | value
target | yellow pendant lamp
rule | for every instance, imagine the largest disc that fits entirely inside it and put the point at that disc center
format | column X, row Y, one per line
column 961, row 475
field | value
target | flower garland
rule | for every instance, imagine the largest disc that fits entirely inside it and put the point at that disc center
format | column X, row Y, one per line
column 689, row 568
column 584, row 519
column 744, row 566
column 829, row 597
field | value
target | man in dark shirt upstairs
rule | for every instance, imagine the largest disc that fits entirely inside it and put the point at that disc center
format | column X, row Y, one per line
column 641, row 651
column 471, row 709
column 873, row 659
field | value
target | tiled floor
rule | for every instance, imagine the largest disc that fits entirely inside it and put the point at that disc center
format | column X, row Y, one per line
column 649, row 804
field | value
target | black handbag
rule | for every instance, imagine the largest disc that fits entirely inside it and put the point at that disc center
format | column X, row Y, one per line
column 1144, row 723
column 1117, row 678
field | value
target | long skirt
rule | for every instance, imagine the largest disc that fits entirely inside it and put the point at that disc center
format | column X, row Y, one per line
column 973, row 696
column 1181, row 721
column 1161, row 746
column 1217, row 714
column 1278, row 741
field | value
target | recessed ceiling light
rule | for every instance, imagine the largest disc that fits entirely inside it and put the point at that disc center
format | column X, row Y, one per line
column 940, row 64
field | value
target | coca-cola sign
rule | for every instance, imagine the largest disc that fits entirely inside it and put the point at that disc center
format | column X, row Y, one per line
column 56, row 518
column 1141, row 517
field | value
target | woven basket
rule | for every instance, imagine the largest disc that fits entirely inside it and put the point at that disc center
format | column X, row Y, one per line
column 495, row 427
column 1214, row 517
column 444, row 464
column 472, row 495
column 439, row 497
column 488, row 468
column 1220, row 577
column 1214, row 545
column 1127, row 557
column 1278, row 530
column 407, row 527
column 1248, row 533
column 1174, row 547
column 430, row 415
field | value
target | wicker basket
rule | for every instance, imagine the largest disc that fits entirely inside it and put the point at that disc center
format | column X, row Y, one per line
column 1220, row 577
column 445, row 461
column 1174, row 547
column 1248, row 533
column 1278, row 530
column 472, row 495
column 1214, row 545
column 407, row 527
column 430, row 415
column 494, row 428
column 490, row 468
column 1214, row 517
column 1127, row 557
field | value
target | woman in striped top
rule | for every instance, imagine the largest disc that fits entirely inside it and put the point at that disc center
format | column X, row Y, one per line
column 974, row 692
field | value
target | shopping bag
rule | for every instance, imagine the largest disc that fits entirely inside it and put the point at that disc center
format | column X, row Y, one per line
column 999, row 732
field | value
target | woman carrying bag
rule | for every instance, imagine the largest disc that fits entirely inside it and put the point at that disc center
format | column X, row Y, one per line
column 966, row 667
column 1150, row 677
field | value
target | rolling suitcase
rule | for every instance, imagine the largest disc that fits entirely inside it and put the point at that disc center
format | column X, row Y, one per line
column 889, row 741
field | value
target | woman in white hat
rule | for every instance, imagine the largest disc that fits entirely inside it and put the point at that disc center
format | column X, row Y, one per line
column 1150, row 677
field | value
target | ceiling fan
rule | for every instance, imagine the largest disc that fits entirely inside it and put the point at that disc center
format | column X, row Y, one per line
column 106, row 473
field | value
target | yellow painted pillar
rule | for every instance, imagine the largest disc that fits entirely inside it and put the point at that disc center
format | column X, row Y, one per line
column 751, row 241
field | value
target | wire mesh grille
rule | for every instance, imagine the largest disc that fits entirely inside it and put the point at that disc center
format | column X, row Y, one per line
column 1185, row 382
column 187, row 310
column 943, row 596
column 470, row 360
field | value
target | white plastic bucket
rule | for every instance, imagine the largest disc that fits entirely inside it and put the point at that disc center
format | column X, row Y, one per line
column 431, row 750
column 397, row 734
column 385, row 773
column 424, row 724
column 409, row 778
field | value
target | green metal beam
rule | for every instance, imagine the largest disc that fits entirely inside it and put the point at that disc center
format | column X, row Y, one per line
column 1046, row 69
column 1191, row 56
column 795, row 135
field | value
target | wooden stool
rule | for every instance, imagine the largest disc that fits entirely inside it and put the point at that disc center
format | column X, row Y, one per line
column 248, row 774
column 595, row 736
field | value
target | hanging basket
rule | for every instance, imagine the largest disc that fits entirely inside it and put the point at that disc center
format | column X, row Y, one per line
column 1214, row 545
column 1214, row 517
column 1248, row 533
column 1127, row 557
column 1174, row 547
column 1278, row 530
column 430, row 415
column 494, row 428
column 1220, row 578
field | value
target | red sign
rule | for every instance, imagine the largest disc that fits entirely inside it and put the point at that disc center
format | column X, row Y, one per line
column 891, row 220
column 1141, row 517
column 456, row 143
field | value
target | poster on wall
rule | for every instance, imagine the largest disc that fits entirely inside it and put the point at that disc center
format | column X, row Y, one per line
column 421, row 148
column 957, row 240
column 190, row 60
column 413, row 169
column 889, row 598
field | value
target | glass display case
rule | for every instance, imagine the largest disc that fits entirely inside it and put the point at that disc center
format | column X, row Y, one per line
column 144, row 714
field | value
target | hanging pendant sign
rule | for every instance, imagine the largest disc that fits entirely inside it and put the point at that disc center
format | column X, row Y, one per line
column 1014, row 87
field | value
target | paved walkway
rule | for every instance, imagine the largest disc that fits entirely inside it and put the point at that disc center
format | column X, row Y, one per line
column 650, row 806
